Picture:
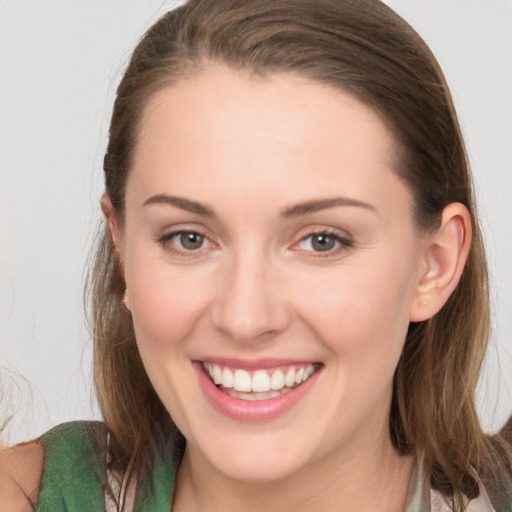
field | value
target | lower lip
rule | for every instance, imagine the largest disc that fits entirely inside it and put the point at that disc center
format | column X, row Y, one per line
column 251, row 411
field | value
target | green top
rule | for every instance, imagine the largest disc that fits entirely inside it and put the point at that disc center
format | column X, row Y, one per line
column 75, row 472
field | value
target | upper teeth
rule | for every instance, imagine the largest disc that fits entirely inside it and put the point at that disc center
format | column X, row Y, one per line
column 261, row 380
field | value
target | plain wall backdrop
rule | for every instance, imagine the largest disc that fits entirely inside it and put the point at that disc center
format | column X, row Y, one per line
column 60, row 63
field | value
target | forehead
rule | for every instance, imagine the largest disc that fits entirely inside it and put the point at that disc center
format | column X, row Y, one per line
column 235, row 130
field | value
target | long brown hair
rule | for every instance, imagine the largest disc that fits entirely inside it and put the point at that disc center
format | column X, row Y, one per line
column 361, row 47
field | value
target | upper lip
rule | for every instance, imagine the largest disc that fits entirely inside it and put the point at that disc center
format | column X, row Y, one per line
column 254, row 364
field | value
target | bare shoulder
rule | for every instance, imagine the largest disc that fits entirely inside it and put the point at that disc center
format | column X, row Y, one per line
column 21, row 468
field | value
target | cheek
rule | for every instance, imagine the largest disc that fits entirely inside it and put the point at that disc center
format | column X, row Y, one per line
column 166, row 302
column 359, row 311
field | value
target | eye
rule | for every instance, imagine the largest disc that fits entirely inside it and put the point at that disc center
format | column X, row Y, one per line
column 189, row 240
column 324, row 242
column 183, row 241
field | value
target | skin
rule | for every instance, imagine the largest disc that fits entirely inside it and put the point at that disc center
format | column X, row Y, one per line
column 247, row 149
column 20, row 472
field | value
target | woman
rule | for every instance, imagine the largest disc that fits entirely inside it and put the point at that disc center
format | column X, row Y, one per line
column 290, row 298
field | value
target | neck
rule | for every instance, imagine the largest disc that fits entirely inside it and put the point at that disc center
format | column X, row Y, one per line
column 368, row 479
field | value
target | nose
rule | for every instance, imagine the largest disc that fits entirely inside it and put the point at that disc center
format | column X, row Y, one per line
column 250, row 306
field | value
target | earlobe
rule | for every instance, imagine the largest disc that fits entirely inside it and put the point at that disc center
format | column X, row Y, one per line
column 444, row 255
column 112, row 221
column 126, row 300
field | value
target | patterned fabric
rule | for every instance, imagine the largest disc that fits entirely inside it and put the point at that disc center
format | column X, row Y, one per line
column 75, row 474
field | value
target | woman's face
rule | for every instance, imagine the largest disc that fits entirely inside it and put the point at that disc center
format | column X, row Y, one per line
column 267, row 241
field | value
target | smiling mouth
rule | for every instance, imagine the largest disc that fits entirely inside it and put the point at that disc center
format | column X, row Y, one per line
column 259, row 384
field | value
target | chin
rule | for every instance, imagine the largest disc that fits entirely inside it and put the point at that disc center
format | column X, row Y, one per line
column 257, row 467
column 255, row 454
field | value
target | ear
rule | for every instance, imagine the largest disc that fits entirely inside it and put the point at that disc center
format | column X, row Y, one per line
column 444, row 256
column 113, row 223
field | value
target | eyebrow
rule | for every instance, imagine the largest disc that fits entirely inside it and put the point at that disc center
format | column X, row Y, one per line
column 296, row 210
column 182, row 203
column 317, row 205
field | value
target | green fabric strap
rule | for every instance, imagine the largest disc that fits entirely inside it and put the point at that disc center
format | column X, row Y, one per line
column 156, row 494
column 74, row 468
column 75, row 472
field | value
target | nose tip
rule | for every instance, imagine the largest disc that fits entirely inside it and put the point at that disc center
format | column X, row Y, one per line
column 249, row 310
column 245, row 330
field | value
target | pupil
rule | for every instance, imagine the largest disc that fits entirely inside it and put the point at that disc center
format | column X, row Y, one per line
column 191, row 241
column 323, row 242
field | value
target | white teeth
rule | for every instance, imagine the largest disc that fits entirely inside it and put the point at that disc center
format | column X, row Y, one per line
column 289, row 380
column 262, row 384
column 308, row 372
column 227, row 378
column 217, row 374
column 277, row 380
column 254, row 397
column 242, row 381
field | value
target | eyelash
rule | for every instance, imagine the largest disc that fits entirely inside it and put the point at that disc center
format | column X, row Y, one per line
column 343, row 243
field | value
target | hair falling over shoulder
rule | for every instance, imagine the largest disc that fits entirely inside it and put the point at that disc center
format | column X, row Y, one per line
column 362, row 48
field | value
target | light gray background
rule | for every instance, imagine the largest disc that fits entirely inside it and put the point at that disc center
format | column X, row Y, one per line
column 60, row 62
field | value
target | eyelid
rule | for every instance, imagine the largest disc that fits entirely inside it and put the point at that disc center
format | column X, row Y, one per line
column 321, row 230
column 170, row 230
